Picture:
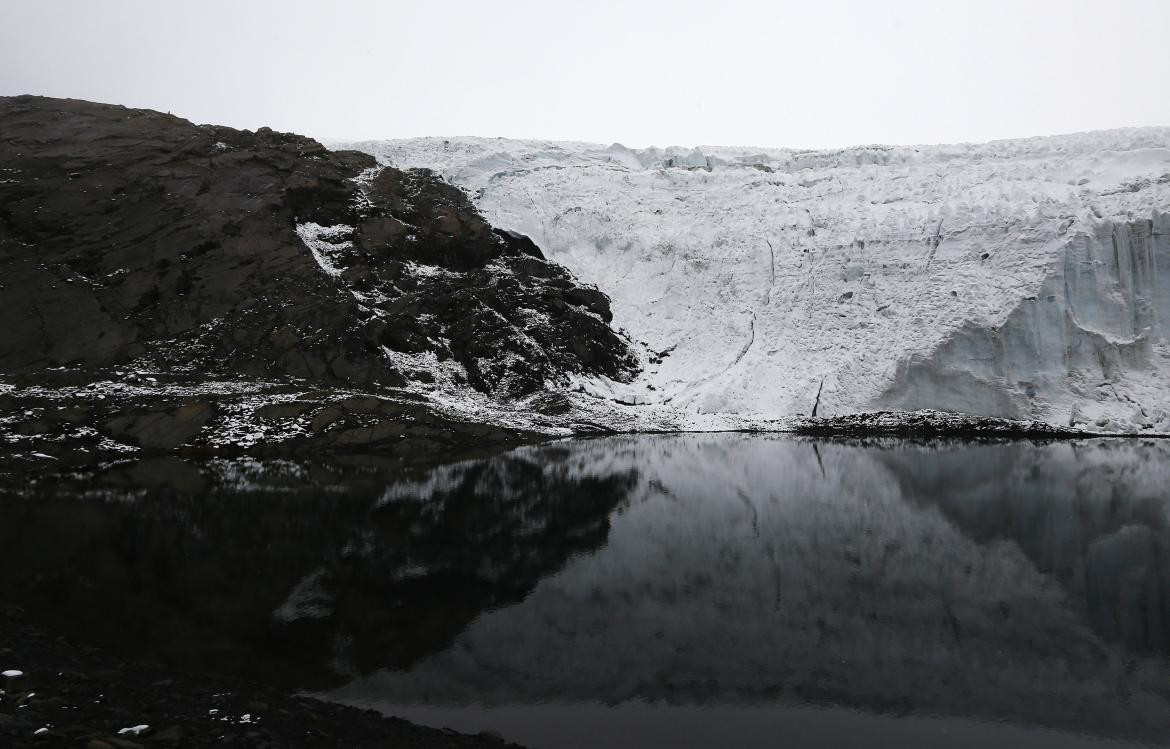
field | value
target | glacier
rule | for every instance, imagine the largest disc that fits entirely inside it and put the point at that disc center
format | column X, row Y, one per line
column 1023, row 278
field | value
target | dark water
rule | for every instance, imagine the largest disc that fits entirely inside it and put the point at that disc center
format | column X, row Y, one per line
column 682, row 591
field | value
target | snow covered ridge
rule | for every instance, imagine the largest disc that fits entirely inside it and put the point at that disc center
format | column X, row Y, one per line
column 1024, row 279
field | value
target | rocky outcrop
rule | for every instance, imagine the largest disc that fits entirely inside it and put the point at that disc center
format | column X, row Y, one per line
column 130, row 237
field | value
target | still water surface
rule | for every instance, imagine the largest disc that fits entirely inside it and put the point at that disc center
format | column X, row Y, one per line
column 682, row 591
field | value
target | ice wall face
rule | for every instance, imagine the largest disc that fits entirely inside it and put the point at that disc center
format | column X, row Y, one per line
column 1088, row 348
column 1016, row 278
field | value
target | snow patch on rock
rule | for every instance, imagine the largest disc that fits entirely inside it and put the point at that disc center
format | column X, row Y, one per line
column 327, row 243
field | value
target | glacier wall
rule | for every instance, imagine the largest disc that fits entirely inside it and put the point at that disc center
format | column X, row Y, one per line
column 1024, row 278
column 1091, row 341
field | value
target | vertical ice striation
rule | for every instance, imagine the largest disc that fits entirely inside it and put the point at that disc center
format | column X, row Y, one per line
column 1089, row 346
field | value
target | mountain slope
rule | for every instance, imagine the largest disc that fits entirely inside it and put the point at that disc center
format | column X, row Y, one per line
column 133, row 237
column 176, row 286
column 1023, row 279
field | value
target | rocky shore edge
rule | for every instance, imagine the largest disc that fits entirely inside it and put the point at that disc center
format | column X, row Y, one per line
column 58, row 693
column 64, row 420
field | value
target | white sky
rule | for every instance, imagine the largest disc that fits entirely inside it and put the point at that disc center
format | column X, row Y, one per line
column 822, row 73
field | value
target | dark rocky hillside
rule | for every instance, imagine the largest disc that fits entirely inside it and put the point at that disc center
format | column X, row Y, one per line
column 170, row 286
column 134, row 237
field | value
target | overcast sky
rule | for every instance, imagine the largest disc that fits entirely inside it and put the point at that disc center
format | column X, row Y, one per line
column 725, row 72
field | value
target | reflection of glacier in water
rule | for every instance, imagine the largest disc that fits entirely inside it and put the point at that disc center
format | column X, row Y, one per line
column 1012, row 582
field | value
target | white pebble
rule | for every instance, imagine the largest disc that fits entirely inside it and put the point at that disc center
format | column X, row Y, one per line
column 12, row 674
column 134, row 730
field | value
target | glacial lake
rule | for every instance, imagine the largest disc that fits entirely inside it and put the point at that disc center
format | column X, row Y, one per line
column 703, row 590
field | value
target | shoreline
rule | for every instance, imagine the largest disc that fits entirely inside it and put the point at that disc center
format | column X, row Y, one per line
column 78, row 695
column 85, row 419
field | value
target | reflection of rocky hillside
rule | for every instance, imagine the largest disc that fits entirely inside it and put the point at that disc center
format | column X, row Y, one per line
column 748, row 569
column 1094, row 515
column 472, row 537
column 293, row 570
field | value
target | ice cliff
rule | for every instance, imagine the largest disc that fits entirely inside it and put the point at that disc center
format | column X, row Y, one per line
column 1024, row 278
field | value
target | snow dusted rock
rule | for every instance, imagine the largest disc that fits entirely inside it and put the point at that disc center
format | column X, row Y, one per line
column 130, row 237
column 1024, row 279
column 64, row 420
